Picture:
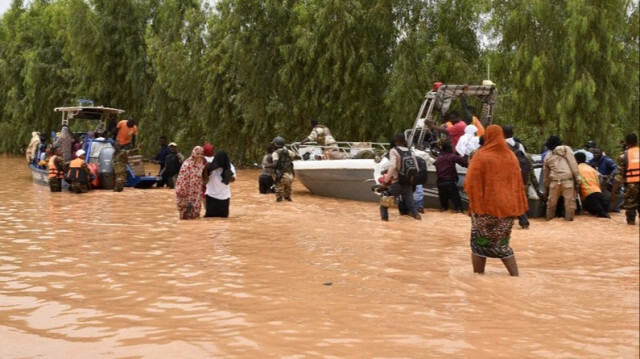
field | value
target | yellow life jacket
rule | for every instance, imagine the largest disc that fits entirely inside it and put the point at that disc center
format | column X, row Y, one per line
column 632, row 164
column 54, row 170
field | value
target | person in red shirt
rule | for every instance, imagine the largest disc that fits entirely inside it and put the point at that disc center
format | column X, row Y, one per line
column 455, row 131
column 126, row 132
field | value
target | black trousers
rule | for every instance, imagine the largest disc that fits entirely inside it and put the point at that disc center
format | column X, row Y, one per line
column 217, row 207
column 596, row 204
column 265, row 183
column 448, row 190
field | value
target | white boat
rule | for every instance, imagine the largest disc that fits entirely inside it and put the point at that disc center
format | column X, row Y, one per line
column 353, row 178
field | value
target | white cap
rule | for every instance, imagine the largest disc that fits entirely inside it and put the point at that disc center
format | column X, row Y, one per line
column 80, row 153
column 173, row 144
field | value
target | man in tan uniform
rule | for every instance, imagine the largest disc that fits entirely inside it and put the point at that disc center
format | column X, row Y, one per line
column 560, row 177
column 322, row 136
column 282, row 165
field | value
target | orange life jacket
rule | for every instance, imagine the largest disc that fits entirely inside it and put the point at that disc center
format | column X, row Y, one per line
column 76, row 172
column 632, row 164
column 478, row 125
column 54, row 170
column 589, row 181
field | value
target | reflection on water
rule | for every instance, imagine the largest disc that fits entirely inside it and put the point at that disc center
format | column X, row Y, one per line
column 109, row 274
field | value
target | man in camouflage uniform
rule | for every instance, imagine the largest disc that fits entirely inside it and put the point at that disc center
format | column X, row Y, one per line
column 322, row 136
column 629, row 174
column 120, row 158
column 57, row 169
column 282, row 164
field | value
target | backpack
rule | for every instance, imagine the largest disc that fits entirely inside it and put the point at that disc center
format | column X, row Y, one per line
column 413, row 169
column 523, row 161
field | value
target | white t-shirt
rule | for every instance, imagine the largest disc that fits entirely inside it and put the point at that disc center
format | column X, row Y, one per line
column 215, row 188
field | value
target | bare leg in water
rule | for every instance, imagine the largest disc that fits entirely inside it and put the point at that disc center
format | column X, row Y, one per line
column 480, row 262
column 511, row 265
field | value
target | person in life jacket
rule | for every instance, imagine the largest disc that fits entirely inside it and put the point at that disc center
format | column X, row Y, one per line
column 321, row 135
column 629, row 174
column 282, row 165
column 79, row 174
column 57, row 168
column 590, row 193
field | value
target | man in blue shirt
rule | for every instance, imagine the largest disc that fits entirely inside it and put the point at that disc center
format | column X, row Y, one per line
column 603, row 163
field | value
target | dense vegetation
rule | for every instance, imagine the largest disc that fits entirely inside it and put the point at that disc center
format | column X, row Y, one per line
column 243, row 71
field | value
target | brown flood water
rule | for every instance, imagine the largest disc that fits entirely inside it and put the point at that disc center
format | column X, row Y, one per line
column 117, row 275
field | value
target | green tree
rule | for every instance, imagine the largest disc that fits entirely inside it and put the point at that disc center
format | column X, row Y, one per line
column 569, row 67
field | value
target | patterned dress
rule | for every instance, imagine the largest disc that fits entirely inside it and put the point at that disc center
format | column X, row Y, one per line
column 189, row 185
column 490, row 236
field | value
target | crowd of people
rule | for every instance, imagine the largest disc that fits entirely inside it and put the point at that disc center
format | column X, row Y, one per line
column 499, row 173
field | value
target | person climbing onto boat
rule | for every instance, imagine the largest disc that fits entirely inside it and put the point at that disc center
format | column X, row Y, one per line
column 321, row 135
column 496, row 196
column 57, row 168
column 455, row 131
column 120, row 158
column 126, row 132
column 78, row 174
column 447, row 177
column 392, row 181
column 560, row 178
column 590, row 193
column 282, row 166
column 469, row 142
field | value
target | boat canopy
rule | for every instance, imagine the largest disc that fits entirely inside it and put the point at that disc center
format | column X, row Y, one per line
column 439, row 100
column 98, row 113
column 88, row 112
column 446, row 93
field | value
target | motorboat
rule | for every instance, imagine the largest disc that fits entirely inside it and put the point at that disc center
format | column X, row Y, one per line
column 353, row 178
column 98, row 151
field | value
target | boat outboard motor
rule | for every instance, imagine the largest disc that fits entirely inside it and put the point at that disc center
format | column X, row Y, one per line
column 105, row 168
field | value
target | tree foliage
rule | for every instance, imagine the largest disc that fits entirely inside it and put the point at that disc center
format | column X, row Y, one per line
column 244, row 71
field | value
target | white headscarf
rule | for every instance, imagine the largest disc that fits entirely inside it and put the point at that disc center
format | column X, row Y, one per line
column 468, row 142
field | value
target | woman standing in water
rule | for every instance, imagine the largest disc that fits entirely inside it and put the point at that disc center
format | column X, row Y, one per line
column 218, row 174
column 496, row 196
column 189, row 185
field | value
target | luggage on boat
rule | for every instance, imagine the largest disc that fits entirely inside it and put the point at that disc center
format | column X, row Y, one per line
column 105, row 168
column 136, row 164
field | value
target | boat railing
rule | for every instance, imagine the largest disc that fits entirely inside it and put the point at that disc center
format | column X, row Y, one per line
column 346, row 150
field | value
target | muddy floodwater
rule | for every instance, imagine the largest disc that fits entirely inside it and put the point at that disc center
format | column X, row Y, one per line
column 117, row 275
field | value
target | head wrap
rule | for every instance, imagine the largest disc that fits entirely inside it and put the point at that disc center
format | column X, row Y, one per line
column 493, row 181
column 468, row 142
column 207, row 150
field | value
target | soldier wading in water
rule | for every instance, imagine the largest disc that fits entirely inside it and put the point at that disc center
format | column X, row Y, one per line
column 282, row 169
column 120, row 157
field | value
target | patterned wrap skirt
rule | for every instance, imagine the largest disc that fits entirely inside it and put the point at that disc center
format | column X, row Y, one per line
column 490, row 236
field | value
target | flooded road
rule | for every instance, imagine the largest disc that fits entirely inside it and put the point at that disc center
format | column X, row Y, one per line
column 117, row 275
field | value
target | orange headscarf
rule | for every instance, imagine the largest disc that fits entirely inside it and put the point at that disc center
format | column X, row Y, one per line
column 493, row 182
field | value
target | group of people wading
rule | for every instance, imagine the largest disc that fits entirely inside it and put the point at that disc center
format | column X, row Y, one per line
column 499, row 172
